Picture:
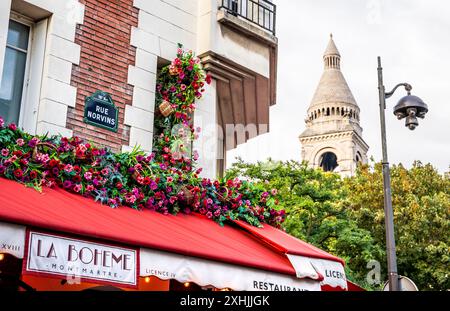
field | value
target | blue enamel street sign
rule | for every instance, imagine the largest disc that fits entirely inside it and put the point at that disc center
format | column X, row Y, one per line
column 99, row 110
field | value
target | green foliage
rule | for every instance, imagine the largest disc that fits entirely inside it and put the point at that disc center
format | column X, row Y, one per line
column 346, row 217
column 421, row 203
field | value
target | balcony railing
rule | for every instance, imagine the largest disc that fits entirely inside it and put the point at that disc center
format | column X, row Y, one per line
column 259, row 12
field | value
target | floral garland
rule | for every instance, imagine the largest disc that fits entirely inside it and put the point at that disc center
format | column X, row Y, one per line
column 165, row 181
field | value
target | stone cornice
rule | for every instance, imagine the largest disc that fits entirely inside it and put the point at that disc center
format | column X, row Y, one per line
column 330, row 136
column 317, row 138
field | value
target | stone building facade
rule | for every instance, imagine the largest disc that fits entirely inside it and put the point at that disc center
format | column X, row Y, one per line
column 55, row 53
column 333, row 139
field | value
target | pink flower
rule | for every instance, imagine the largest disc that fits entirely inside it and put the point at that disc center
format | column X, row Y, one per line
column 183, row 87
column 274, row 191
column 12, row 127
column 88, row 175
column 20, row 142
column 77, row 188
column 105, row 171
column 176, row 62
column 2, row 122
column 68, row 168
column 169, row 179
column 130, row 199
column 90, row 188
column 82, row 147
column 172, row 199
column 209, row 215
column 5, row 152
column 44, row 158
column 33, row 142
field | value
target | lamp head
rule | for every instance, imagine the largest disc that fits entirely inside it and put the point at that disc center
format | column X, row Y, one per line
column 411, row 107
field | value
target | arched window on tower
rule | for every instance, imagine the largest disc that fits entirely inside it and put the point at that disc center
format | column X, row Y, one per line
column 358, row 157
column 328, row 161
column 332, row 111
column 328, row 111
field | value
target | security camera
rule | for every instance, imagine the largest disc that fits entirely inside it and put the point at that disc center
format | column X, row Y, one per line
column 411, row 121
column 410, row 107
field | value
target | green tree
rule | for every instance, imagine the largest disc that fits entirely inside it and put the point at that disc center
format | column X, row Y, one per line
column 421, row 203
column 314, row 202
column 346, row 216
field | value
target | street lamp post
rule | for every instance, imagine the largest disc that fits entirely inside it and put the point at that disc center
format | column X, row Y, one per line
column 409, row 107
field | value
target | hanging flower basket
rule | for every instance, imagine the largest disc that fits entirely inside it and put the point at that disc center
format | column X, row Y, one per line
column 136, row 175
column 186, row 198
column 81, row 157
column 166, row 108
column 222, row 195
column 35, row 153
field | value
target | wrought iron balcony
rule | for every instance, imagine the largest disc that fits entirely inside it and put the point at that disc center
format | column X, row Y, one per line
column 259, row 12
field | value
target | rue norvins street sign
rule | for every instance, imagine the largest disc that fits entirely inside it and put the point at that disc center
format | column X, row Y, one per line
column 99, row 110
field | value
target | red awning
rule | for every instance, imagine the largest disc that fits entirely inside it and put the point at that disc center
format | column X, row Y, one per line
column 286, row 243
column 191, row 235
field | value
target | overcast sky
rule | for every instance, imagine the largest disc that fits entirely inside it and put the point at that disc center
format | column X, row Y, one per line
column 413, row 39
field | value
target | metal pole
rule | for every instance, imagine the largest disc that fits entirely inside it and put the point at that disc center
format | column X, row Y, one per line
column 388, row 213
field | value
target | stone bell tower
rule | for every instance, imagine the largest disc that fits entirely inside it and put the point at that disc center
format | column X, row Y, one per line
column 333, row 139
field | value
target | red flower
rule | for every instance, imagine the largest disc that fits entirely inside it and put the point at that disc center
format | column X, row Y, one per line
column 52, row 163
column 12, row 127
column 77, row 169
column 18, row 153
column 147, row 181
column 79, row 153
column 119, row 185
column 76, row 178
column 18, row 173
column 33, row 174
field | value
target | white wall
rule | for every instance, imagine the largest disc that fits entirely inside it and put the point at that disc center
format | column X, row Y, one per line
column 228, row 43
column 206, row 145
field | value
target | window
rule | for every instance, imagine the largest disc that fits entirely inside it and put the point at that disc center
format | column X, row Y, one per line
column 358, row 157
column 14, row 68
column 328, row 161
